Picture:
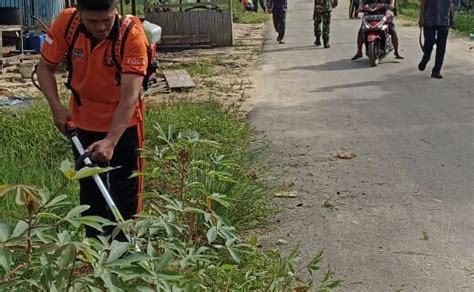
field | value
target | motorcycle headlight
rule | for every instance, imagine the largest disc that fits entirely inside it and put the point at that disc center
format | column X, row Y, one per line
column 381, row 22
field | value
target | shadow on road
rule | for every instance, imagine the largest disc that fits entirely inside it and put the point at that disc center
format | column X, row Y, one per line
column 346, row 85
column 302, row 48
column 344, row 64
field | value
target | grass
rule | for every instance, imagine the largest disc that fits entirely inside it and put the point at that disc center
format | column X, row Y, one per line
column 410, row 11
column 213, row 122
column 464, row 22
column 240, row 15
column 199, row 68
column 209, row 119
column 32, row 149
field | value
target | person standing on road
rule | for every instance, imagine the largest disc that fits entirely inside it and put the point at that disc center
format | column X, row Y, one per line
column 278, row 9
column 436, row 16
column 354, row 8
column 105, row 103
column 322, row 15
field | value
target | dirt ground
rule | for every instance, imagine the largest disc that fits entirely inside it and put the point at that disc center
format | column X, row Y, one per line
column 219, row 73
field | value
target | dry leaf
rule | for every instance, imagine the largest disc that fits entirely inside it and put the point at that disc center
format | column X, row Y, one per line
column 286, row 194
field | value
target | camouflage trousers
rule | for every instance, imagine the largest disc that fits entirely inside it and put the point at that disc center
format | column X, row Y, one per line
column 324, row 18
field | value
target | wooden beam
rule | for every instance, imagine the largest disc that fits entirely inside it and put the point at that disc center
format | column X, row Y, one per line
column 178, row 79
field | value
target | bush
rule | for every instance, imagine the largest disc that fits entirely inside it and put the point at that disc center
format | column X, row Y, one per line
column 240, row 15
column 180, row 241
column 201, row 191
column 465, row 23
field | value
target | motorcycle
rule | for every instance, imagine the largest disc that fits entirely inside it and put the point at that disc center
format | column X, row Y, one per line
column 375, row 32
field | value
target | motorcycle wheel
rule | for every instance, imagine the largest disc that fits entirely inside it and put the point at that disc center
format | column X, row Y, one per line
column 372, row 52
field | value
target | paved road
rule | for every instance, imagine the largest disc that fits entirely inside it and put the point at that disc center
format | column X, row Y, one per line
column 400, row 215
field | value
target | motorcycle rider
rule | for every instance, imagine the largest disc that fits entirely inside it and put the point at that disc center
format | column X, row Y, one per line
column 391, row 28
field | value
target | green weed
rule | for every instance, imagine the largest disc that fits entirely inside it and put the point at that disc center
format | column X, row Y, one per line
column 31, row 149
column 183, row 241
column 240, row 15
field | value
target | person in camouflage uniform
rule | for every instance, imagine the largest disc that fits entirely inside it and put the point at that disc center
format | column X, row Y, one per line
column 322, row 14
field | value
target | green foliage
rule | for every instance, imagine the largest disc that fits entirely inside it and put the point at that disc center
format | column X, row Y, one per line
column 410, row 10
column 201, row 191
column 209, row 119
column 200, row 69
column 31, row 149
column 240, row 15
column 464, row 22
column 181, row 241
column 193, row 169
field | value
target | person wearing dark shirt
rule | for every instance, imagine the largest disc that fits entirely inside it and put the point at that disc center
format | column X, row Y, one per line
column 278, row 8
column 436, row 16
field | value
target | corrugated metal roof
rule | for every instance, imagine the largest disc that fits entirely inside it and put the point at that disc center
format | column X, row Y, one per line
column 44, row 9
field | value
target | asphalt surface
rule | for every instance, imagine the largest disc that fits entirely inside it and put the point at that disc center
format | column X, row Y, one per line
column 400, row 215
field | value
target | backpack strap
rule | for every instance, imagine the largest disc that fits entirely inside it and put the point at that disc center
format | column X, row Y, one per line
column 73, row 29
column 118, row 45
column 129, row 22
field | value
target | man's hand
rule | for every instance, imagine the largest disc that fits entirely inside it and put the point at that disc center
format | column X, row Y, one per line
column 102, row 150
column 60, row 117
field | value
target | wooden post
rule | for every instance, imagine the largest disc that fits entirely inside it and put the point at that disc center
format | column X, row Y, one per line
column 121, row 7
column 231, row 23
column 134, row 7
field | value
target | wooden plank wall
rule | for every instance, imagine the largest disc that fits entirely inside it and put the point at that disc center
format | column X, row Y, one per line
column 216, row 24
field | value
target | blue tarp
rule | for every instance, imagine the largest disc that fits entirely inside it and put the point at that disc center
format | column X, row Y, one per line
column 47, row 10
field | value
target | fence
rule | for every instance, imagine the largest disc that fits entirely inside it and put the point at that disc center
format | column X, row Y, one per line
column 192, row 23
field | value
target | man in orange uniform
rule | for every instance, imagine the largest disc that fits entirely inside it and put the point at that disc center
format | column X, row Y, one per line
column 105, row 103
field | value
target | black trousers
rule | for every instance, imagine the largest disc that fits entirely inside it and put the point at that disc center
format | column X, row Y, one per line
column 354, row 5
column 279, row 22
column 435, row 35
column 124, row 190
column 262, row 4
